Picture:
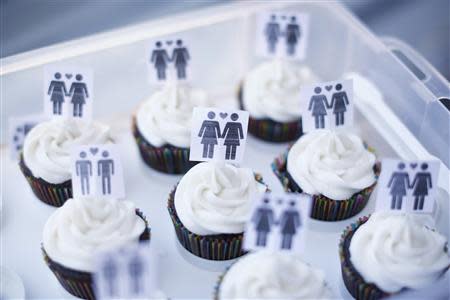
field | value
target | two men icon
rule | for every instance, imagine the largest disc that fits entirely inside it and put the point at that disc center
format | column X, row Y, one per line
column 161, row 60
column 105, row 167
column 273, row 33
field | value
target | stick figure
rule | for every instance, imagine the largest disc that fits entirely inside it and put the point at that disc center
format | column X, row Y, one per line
column 421, row 183
column 339, row 101
column 180, row 57
column 318, row 105
column 398, row 184
column 106, row 170
column 292, row 34
column 136, row 270
column 289, row 222
column 209, row 132
column 109, row 271
column 83, row 168
column 263, row 218
column 78, row 91
column 57, row 91
column 160, row 59
column 272, row 33
column 232, row 134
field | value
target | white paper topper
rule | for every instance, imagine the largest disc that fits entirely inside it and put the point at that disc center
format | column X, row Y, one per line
column 218, row 134
column 18, row 129
column 282, row 34
column 327, row 105
column 407, row 186
column 97, row 171
column 126, row 273
column 169, row 59
column 68, row 91
column 277, row 222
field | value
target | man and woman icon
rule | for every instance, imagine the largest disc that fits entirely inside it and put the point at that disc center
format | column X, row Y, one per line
column 264, row 221
column 210, row 133
column 160, row 59
column 399, row 183
column 291, row 34
column 105, row 167
column 318, row 105
column 78, row 93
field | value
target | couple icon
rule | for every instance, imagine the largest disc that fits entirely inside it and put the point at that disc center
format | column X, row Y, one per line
column 135, row 269
column 78, row 91
column 291, row 34
column 160, row 58
column 210, row 133
column 105, row 166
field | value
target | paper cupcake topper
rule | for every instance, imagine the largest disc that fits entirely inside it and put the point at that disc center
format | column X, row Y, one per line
column 68, row 91
column 97, row 172
column 126, row 273
column 282, row 34
column 407, row 186
column 327, row 105
column 277, row 222
column 169, row 59
column 18, row 129
column 218, row 134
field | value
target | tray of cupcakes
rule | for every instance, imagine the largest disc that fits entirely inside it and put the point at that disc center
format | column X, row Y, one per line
column 230, row 156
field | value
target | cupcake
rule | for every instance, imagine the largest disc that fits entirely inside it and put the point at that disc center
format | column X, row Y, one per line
column 270, row 94
column 162, row 127
column 388, row 253
column 271, row 275
column 76, row 232
column 334, row 167
column 209, row 208
column 45, row 160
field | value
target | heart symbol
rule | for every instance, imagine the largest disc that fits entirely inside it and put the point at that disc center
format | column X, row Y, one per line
column 328, row 87
column 223, row 115
column 413, row 165
column 169, row 43
column 283, row 17
column 93, row 150
column 68, row 76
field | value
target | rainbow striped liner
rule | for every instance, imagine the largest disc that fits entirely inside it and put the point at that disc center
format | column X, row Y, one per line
column 167, row 159
column 219, row 282
column 324, row 208
column 212, row 247
column 270, row 130
column 49, row 193
column 79, row 283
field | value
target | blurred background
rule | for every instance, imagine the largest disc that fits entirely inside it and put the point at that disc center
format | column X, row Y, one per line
column 31, row 24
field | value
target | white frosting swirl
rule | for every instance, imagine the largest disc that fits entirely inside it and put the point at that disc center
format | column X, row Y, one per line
column 273, row 275
column 334, row 164
column 396, row 251
column 271, row 90
column 78, row 230
column 47, row 147
column 165, row 118
column 214, row 198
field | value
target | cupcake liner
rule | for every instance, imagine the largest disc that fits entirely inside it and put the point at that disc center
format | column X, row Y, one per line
column 167, row 159
column 218, row 283
column 270, row 130
column 324, row 208
column 49, row 193
column 212, row 247
column 79, row 283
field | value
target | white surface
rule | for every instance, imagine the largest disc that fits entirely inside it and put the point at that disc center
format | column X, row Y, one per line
column 11, row 285
column 182, row 275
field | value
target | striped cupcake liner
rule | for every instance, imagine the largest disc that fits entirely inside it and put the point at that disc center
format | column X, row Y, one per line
column 211, row 247
column 270, row 130
column 49, row 193
column 167, row 159
column 216, row 290
column 79, row 283
column 324, row 208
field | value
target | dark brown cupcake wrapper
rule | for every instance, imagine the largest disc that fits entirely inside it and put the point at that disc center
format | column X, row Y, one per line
column 49, row 193
column 212, row 247
column 270, row 130
column 324, row 208
column 167, row 159
column 79, row 283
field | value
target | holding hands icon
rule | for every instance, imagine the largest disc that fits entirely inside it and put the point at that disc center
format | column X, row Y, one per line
column 161, row 59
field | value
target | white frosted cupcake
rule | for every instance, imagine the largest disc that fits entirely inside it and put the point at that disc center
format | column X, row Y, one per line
column 209, row 209
column 272, row 275
column 270, row 94
column 162, row 127
column 76, row 232
column 45, row 159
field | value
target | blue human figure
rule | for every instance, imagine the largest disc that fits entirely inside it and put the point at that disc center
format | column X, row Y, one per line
column 209, row 132
column 232, row 133
column 289, row 222
column 160, row 59
column 339, row 102
column 110, row 273
column 318, row 105
column 263, row 218
column 272, row 33
column 83, row 169
column 57, row 90
column 180, row 57
column 106, row 170
column 292, row 34
column 398, row 185
column 421, row 184
column 136, row 270
column 78, row 91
